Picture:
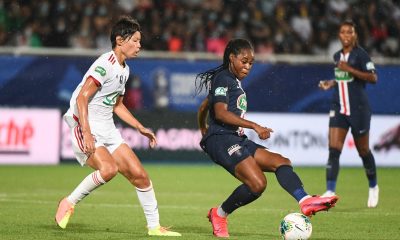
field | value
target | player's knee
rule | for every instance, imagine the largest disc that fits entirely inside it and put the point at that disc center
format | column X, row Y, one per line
column 283, row 161
column 286, row 161
column 258, row 185
column 109, row 172
column 363, row 151
column 141, row 180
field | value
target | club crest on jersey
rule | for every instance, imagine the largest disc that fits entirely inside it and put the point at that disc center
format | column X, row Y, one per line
column 341, row 75
column 100, row 70
column 220, row 91
column 242, row 102
column 234, row 148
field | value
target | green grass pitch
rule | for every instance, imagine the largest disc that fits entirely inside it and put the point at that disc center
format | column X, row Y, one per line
column 29, row 197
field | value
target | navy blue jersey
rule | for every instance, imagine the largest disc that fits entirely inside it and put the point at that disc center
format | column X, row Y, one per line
column 350, row 94
column 226, row 88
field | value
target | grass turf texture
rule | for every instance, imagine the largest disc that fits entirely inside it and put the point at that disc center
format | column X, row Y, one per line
column 29, row 197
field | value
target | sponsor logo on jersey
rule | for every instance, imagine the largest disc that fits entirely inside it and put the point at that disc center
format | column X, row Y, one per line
column 370, row 66
column 242, row 102
column 220, row 91
column 100, row 70
column 341, row 75
column 111, row 99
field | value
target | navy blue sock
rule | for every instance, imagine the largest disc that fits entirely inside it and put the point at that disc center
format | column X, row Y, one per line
column 290, row 182
column 332, row 169
column 241, row 196
column 370, row 168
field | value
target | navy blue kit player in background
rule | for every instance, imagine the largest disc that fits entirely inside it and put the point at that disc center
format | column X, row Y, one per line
column 350, row 109
column 225, row 143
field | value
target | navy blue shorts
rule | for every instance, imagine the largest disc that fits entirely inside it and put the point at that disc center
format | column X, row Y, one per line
column 359, row 121
column 228, row 150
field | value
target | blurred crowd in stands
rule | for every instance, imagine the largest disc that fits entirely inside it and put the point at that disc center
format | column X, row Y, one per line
column 274, row 26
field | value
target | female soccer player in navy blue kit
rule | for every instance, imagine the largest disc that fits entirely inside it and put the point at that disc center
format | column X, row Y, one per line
column 350, row 109
column 224, row 141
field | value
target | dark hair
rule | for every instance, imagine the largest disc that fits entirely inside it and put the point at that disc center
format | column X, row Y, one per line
column 348, row 22
column 234, row 46
column 124, row 27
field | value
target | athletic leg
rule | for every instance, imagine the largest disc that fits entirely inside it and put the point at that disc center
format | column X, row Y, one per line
column 254, row 184
column 131, row 168
column 290, row 181
column 105, row 169
column 270, row 161
column 337, row 137
column 362, row 144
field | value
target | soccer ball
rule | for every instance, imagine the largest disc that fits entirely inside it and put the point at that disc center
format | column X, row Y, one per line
column 295, row 226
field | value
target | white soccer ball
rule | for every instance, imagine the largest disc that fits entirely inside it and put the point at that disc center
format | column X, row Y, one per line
column 295, row 226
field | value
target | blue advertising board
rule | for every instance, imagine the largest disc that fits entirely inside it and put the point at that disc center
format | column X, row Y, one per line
column 39, row 81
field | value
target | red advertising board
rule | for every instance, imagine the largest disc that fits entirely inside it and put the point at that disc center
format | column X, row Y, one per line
column 29, row 136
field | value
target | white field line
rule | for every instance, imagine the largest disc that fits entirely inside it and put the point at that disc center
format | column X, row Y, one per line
column 171, row 206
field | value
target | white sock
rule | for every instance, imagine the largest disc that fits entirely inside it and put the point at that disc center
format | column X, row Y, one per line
column 90, row 183
column 221, row 212
column 304, row 198
column 147, row 199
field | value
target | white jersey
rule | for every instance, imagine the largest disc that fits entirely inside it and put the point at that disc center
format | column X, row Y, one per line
column 110, row 77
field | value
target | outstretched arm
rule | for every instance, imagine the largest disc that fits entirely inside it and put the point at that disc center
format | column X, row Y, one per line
column 125, row 115
column 202, row 114
column 222, row 114
column 326, row 84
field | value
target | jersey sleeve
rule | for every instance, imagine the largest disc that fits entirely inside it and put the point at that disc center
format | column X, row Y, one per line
column 100, row 70
column 366, row 63
column 219, row 90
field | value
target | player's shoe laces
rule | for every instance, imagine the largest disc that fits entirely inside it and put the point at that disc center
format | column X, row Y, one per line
column 163, row 232
column 373, row 197
column 328, row 193
column 315, row 204
column 64, row 212
column 219, row 224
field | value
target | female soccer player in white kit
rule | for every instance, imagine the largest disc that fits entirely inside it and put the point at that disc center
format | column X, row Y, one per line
column 95, row 139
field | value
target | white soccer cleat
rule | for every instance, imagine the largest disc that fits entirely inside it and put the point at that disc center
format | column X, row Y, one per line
column 328, row 193
column 373, row 197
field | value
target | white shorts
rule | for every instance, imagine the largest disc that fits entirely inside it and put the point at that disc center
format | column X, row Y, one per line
column 105, row 134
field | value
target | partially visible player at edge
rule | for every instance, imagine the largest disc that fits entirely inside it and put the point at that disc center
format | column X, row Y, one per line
column 224, row 141
column 95, row 139
column 350, row 109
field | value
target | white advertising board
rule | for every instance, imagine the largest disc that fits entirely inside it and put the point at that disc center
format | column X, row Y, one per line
column 303, row 138
column 29, row 136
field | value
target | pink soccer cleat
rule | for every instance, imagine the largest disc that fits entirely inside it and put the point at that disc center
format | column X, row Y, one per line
column 219, row 224
column 64, row 212
column 314, row 204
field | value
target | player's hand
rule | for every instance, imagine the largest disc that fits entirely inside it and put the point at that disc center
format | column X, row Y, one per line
column 203, row 131
column 326, row 84
column 344, row 66
column 263, row 132
column 88, row 143
column 150, row 135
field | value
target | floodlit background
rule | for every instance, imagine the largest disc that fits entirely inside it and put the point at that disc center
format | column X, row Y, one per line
column 46, row 47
